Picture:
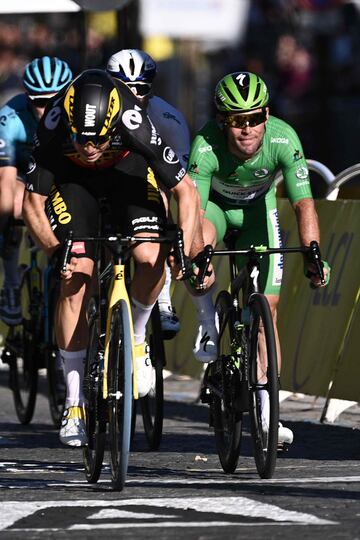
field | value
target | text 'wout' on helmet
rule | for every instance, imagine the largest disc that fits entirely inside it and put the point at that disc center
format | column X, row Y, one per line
column 239, row 92
column 46, row 75
column 92, row 105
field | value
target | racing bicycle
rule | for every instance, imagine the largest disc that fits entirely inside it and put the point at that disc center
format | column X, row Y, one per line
column 247, row 357
column 110, row 374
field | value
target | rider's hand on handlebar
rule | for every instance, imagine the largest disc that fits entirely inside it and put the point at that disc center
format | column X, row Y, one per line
column 208, row 280
column 177, row 272
column 70, row 269
column 314, row 277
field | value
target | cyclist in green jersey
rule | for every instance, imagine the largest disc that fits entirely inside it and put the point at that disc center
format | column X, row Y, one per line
column 234, row 160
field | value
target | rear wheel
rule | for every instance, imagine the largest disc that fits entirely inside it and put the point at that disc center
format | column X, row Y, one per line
column 120, row 392
column 263, row 379
column 96, row 411
column 24, row 350
column 226, row 413
column 152, row 405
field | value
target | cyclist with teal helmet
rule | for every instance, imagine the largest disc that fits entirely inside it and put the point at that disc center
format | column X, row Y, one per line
column 234, row 160
column 19, row 117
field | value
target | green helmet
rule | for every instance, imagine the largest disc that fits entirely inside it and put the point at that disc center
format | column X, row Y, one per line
column 241, row 92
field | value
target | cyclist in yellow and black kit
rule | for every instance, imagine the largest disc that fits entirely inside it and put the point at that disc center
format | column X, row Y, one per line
column 96, row 141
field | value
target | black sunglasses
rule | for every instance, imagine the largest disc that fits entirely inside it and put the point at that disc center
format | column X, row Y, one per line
column 40, row 102
column 245, row 120
column 97, row 141
column 140, row 89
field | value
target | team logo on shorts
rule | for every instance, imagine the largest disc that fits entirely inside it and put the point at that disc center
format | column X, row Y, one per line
column 302, row 173
column 169, row 156
column 261, row 173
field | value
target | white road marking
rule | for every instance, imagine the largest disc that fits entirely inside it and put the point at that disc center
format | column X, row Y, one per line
column 12, row 511
column 113, row 513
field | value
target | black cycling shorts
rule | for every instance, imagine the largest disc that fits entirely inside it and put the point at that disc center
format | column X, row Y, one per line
column 134, row 204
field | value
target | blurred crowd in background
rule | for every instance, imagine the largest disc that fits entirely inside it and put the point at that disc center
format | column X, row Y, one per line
column 307, row 51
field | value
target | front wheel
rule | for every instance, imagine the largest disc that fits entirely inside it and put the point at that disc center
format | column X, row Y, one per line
column 152, row 405
column 120, row 392
column 264, row 385
column 23, row 352
column 227, row 416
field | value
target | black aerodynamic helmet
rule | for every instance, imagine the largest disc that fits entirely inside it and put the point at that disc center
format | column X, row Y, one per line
column 92, row 107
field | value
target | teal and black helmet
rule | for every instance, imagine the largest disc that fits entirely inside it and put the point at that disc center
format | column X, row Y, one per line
column 241, row 92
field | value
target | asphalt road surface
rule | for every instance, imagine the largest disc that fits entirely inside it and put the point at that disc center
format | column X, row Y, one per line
column 181, row 491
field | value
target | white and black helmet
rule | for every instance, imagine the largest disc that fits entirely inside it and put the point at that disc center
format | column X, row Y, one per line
column 135, row 68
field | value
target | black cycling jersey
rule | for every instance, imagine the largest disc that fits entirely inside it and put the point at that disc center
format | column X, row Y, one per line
column 55, row 160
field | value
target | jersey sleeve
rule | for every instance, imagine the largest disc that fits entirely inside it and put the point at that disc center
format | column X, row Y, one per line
column 140, row 134
column 11, row 132
column 39, row 176
column 294, row 168
column 172, row 126
column 202, row 166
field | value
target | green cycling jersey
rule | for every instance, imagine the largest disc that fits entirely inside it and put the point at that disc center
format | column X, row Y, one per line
column 222, row 177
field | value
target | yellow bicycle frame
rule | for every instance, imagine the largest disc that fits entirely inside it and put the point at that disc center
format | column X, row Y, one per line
column 118, row 292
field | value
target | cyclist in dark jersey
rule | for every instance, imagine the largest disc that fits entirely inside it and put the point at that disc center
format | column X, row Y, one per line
column 234, row 160
column 94, row 142
column 19, row 117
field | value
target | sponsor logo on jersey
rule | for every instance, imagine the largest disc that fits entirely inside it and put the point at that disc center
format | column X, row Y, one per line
column 155, row 138
column 29, row 186
column 52, row 118
column 180, row 175
column 132, row 118
column 169, row 156
column 279, row 140
column 204, row 149
column 170, row 116
column 302, row 173
column 297, row 155
column 261, row 173
column 59, row 207
column 90, row 115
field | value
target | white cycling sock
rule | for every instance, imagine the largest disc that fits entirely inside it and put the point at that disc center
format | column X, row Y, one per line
column 265, row 406
column 73, row 362
column 11, row 273
column 204, row 306
column 140, row 315
column 164, row 298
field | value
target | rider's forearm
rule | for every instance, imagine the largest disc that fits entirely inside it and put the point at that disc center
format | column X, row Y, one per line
column 188, row 212
column 37, row 222
column 307, row 220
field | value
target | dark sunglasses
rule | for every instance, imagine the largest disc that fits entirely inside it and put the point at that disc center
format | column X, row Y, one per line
column 96, row 141
column 40, row 102
column 245, row 120
column 140, row 89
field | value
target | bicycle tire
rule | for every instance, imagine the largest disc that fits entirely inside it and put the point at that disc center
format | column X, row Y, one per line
column 265, row 442
column 227, row 418
column 152, row 405
column 23, row 364
column 93, row 452
column 120, row 393
column 54, row 370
